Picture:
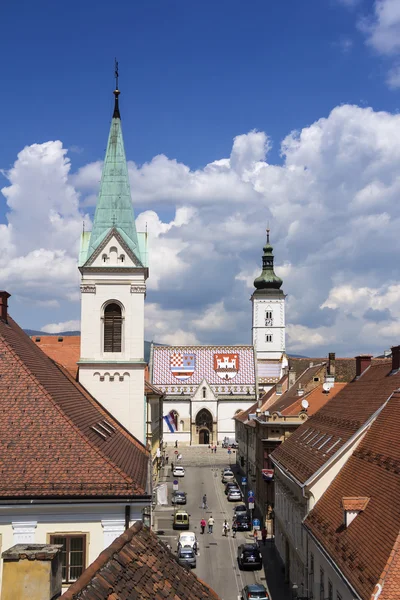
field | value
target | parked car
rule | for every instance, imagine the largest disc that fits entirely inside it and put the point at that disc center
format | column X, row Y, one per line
column 234, row 495
column 249, row 556
column 228, row 476
column 230, row 486
column 242, row 523
column 253, row 591
column 188, row 539
column 181, row 520
column 178, row 472
column 178, row 497
column 186, row 556
column 240, row 509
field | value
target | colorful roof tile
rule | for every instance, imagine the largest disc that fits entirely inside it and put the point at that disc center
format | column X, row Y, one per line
column 138, row 566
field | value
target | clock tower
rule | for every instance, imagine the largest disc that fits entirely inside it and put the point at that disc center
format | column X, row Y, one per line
column 268, row 327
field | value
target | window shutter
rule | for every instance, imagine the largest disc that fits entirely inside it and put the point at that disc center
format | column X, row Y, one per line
column 112, row 328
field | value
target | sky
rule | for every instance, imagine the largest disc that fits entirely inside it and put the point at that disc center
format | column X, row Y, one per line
column 235, row 114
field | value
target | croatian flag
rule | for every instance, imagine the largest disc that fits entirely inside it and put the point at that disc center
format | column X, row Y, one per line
column 170, row 421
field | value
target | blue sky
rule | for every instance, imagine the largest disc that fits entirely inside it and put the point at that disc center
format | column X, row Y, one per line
column 194, row 76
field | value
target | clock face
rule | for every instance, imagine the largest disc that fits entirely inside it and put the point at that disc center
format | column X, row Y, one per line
column 268, row 322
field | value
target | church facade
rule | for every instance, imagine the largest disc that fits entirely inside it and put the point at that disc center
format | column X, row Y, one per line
column 204, row 387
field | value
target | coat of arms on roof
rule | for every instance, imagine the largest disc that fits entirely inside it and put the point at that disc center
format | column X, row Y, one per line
column 226, row 366
column 182, row 365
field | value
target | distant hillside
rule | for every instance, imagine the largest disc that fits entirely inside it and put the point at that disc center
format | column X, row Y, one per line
column 39, row 333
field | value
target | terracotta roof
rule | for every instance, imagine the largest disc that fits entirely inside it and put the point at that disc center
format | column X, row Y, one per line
column 354, row 503
column 291, row 396
column 345, row 368
column 269, row 397
column 137, row 566
column 367, row 551
column 149, row 388
column 336, row 422
column 64, row 350
column 243, row 416
column 316, row 399
column 55, row 439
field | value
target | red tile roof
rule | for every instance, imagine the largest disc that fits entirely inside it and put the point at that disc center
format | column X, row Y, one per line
column 65, row 352
column 55, row 439
column 316, row 399
column 335, row 423
column 138, row 566
column 284, row 402
column 367, row 551
column 354, row 503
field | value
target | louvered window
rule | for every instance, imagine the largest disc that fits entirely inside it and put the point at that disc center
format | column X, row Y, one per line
column 112, row 328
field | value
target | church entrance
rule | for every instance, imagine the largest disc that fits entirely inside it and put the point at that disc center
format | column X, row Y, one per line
column 204, row 426
column 204, row 436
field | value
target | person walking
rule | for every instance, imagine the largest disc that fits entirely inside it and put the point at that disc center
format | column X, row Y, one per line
column 176, row 443
column 225, row 528
column 205, row 501
column 264, row 535
column 210, row 522
column 172, row 466
column 203, row 524
column 215, row 449
column 255, row 535
column 166, row 459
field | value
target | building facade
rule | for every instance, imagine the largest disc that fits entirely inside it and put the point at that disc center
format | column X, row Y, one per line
column 113, row 267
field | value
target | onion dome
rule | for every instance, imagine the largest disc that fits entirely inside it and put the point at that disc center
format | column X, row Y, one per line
column 268, row 280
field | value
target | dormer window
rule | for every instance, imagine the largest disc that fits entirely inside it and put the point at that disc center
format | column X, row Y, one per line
column 352, row 506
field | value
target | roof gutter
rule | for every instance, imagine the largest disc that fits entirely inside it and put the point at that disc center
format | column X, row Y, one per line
column 332, row 562
column 346, row 445
column 286, row 473
column 68, row 501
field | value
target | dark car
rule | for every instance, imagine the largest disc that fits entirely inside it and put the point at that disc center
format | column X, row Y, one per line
column 178, row 497
column 249, row 557
column 186, row 556
column 254, row 591
column 240, row 509
column 241, row 523
column 231, row 485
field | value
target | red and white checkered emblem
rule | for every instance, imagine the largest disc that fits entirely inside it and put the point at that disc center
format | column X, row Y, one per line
column 182, row 365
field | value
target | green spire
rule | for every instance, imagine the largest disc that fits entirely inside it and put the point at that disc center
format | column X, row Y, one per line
column 114, row 204
column 268, row 280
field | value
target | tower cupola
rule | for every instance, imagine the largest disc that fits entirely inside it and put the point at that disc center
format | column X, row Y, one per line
column 268, row 280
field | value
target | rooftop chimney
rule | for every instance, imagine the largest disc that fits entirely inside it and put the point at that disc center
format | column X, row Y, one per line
column 292, row 377
column 4, row 296
column 331, row 364
column 362, row 362
column 395, row 358
column 32, row 572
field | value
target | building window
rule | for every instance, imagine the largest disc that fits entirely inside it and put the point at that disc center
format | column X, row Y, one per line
column 204, row 392
column 268, row 318
column 321, row 584
column 330, row 590
column 72, row 555
column 268, row 337
column 112, row 328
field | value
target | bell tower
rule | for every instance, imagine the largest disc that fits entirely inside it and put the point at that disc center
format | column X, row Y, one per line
column 113, row 267
column 268, row 327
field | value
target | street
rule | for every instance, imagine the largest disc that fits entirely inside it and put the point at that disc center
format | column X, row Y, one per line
column 217, row 558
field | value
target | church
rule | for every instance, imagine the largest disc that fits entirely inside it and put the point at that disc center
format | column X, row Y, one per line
column 206, row 386
column 203, row 387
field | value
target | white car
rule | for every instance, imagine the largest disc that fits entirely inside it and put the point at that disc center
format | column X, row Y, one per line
column 178, row 472
column 188, row 539
column 234, row 495
column 227, row 477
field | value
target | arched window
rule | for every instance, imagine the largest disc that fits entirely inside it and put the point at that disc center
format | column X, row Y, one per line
column 112, row 328
column 204, row 392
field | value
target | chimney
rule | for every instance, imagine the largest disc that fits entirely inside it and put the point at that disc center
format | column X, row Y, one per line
column 32, row 572
column 4, row 296
column 395, row 358
column 331, row 364
column 300, row 391
column 362, row 362
column 292, row 377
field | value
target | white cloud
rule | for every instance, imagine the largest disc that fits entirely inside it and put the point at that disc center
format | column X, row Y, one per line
column 61, row 327
column 334, row 213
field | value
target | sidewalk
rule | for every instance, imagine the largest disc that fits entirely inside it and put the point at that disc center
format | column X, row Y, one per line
column 274, row 571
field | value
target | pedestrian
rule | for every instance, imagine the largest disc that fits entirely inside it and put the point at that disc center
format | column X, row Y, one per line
column 255, row 534
column 225, row 528
column 205, row 501
column 234, row 528
column 166, row 459
column 172, row 466
column 210, row 522
column 179, row 457
column 264, row 535
column 176, row 443
column 203, row 525
column 215, row 449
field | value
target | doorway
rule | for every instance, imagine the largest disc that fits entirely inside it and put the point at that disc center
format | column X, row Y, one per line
column 204, row 436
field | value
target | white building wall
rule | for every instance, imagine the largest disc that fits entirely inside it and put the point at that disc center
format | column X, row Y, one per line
column 101, row 524
column 329, row 574
column 275, row 348
column 226, row 411
column 184, row 414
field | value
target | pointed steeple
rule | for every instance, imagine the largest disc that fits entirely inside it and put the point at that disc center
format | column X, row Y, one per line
column 114, row 204
column 268, row 280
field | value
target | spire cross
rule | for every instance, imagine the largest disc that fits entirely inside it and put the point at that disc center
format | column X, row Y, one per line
column 116, row 74
column 268, row 234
